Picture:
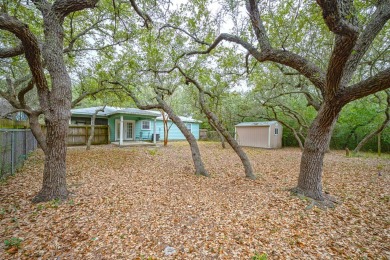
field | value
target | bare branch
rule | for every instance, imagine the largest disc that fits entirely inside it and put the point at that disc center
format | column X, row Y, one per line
column 11, row 52
column 196, row 39
column 292, row 60
column 22, row 93
column 380, row 81
column 147, row 20
column 32, row 53
column 81, row 34
column 65, row 7
column 67, row 50
column 131, row 93
column 335, row 17
column 258, row 26
column 374, row 26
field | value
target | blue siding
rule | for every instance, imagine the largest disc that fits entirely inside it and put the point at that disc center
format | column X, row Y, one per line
column 174, row 132
column 137, row 128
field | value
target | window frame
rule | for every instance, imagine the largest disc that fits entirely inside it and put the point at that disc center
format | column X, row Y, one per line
column 142, row 125
column 190, row 128
column 276, row 131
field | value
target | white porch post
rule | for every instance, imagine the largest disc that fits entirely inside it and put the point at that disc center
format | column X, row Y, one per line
column 154, row 131
column 121, row 132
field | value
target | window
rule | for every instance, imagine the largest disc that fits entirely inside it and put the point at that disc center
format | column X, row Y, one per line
column 145, row 125
column 276, row 131
column 188, row 126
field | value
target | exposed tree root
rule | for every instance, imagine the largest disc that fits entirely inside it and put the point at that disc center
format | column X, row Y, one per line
column 47, row 195
column 327, row 202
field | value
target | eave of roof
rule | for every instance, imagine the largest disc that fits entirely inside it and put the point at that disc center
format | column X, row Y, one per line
column 114, row 110
column 267, row 123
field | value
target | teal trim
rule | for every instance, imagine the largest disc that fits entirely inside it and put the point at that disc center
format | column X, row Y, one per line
column 174, row 132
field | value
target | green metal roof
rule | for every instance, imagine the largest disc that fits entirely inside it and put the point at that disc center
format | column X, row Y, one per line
column 114, row 110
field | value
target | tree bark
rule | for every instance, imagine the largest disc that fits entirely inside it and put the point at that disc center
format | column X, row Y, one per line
column 54, row 173
column 93, row 127
column 232, row 142
column 316, row 145
column 165, row 123
column 195, row 152
column 221, row 138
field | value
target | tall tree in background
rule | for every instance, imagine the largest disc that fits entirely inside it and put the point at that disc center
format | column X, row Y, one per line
column 335, row 82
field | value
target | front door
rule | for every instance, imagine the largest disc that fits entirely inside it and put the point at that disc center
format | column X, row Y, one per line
column 128, row 130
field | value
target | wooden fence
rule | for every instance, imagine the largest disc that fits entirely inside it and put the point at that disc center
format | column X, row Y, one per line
column 79, row 134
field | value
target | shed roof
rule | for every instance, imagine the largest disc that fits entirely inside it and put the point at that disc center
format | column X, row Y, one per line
column 266, row 123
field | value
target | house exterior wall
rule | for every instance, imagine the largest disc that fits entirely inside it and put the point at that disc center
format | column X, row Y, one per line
column 174, row 132
column 253, row 136
column 137, row 126
column 86, row 120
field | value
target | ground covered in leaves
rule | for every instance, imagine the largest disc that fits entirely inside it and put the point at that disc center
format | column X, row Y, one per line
column 132, row 203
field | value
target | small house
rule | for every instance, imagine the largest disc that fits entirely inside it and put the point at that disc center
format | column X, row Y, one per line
column 131, row 124
column 259, row 134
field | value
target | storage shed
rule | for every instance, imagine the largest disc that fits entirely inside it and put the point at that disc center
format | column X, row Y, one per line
column 259, row 134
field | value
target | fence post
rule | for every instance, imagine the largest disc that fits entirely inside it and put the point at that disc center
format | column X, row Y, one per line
column 12, row 152
column 86, row 135
column 25, row 142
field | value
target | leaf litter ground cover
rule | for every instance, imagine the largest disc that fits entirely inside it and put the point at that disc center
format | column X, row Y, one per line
column 140, row 202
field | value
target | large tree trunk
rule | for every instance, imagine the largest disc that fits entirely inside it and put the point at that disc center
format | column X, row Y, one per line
column 58, row 114
column 316, row 145
column 195, row 152
column 54, row 173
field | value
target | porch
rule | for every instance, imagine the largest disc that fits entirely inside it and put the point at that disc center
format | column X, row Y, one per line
column 130, row 130
column 133, row 144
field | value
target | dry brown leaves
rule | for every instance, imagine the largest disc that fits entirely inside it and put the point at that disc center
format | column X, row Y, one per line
column 131, row 203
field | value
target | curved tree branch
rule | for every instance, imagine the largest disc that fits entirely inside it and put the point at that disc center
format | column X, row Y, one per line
column 306, row 68
column 335, row 17
column 11, row 52
column 258, row 26
column 380, row 81
column 147, row 20
column 32, row 54
column 196, row 39
column 374, row 26
column 64, row 7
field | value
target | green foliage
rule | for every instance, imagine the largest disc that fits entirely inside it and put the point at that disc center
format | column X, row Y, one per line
column 259, row 256
column 55, row 203
column 152, row 152
column 13, row 242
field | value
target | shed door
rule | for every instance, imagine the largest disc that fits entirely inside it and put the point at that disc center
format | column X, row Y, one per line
column 254, row 136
